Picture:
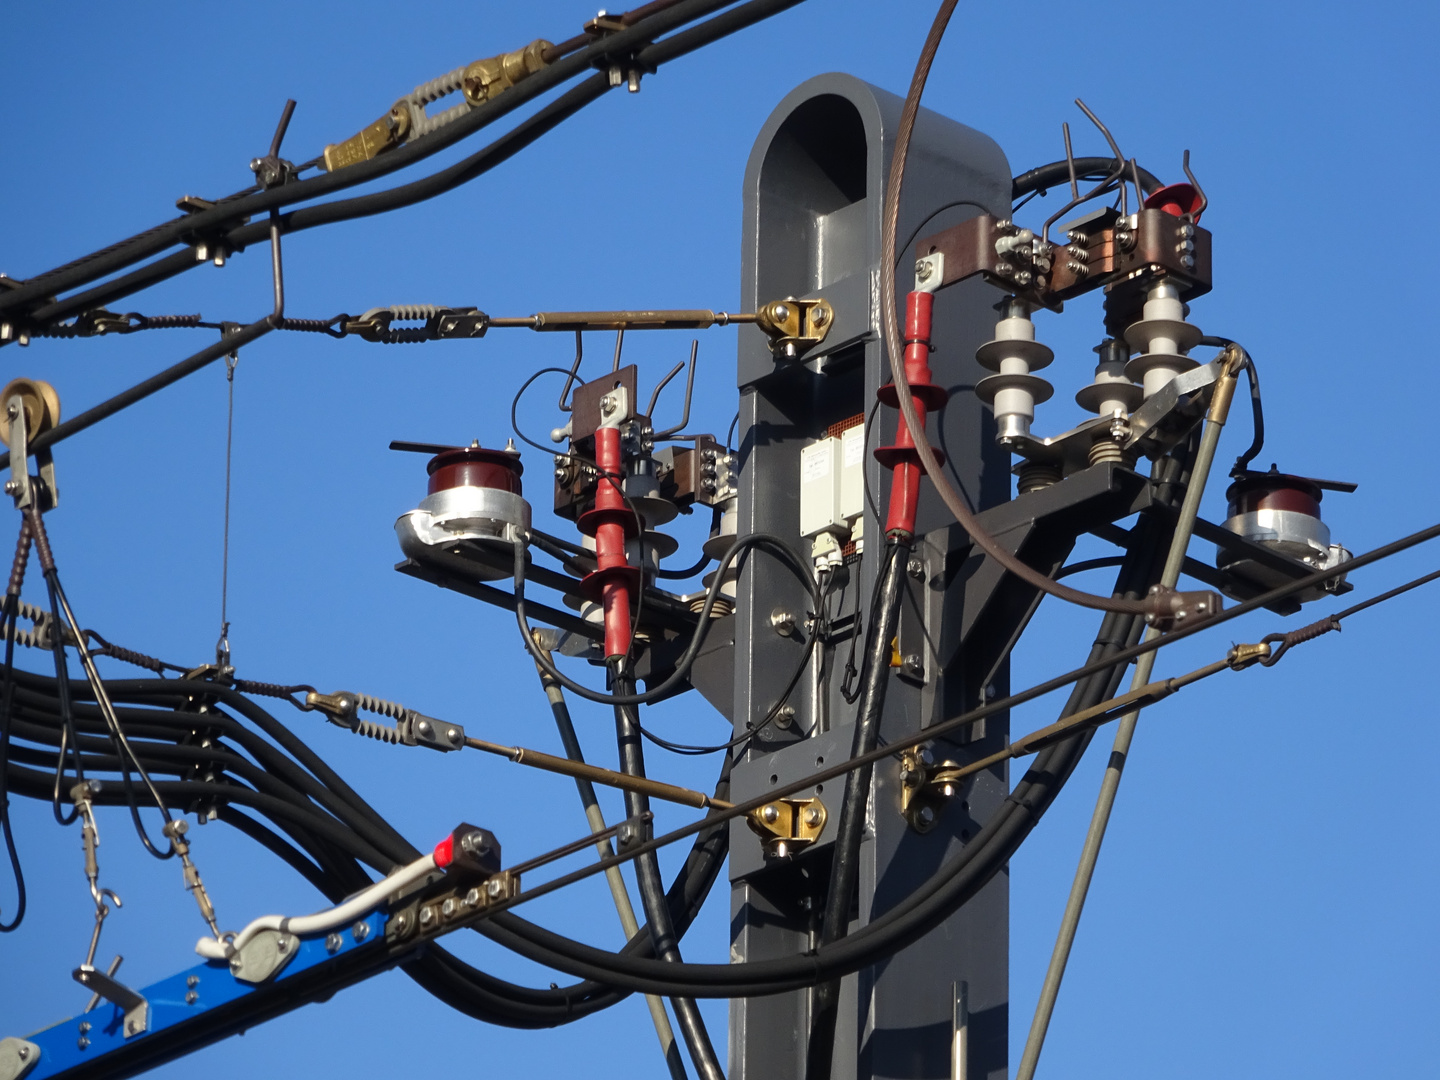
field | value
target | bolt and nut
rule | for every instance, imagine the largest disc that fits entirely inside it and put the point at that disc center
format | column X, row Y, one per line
column 783, row 622
column 427, row 916
column 495, row 887
column 332, row 943
column 926, row 816
column 770, row 815
column 812, row 816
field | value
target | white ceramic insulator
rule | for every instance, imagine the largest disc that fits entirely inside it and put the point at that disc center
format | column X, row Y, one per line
column 1015, row 329
column 1155, row 335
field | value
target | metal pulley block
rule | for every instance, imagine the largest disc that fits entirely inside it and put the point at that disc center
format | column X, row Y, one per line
column 29, row 407
column 787, row 825
column 793, row 326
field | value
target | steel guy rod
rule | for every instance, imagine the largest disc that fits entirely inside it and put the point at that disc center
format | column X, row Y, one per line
column 1125, row 732
column 619, row 893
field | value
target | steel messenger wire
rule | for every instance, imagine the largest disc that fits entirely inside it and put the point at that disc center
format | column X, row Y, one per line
column 524, row 133
column 440, row 973
column 629, row 43
column 652, row 892
column 622, row 44
column 804, row 969
column 619, row 891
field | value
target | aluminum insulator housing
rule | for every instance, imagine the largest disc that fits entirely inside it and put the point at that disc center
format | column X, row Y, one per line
column 1281, row 512
column 474, row 494
column 1162, row 337
column 1013, row 392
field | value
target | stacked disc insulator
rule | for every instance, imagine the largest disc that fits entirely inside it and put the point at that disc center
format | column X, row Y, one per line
column 1013, row 392
column 1162, row 337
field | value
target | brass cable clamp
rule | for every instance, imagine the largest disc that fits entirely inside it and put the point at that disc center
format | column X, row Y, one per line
column 793, row 326
column 787, row 825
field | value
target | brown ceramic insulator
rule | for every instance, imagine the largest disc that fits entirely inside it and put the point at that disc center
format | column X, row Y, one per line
column 1273, row 492
column 474, row 466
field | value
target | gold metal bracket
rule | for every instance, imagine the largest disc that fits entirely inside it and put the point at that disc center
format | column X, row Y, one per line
column 787, row 825
column 925, row 788
column 793, row 326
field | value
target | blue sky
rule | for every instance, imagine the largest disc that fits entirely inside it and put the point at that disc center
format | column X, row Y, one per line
column 1264, row 904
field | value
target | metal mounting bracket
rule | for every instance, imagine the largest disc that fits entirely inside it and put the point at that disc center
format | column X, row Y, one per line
column 264, row 956
column 130, row 1002
column 787, row 825
column 17, row 1057
column 925, row 787
column 793, row 326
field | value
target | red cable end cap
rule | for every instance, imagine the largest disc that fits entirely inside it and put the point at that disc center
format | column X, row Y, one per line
column 445, row 852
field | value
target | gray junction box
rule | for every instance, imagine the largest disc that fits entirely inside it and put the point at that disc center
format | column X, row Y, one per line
column 814, row 188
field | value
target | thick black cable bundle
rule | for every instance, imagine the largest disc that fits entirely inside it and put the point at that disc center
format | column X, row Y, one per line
column 321, row 828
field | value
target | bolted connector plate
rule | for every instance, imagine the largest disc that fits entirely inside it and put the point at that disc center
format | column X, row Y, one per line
column 1166, row 609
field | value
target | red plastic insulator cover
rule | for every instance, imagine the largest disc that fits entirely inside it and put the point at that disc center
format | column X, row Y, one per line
column 902, row 458
column 611, row 523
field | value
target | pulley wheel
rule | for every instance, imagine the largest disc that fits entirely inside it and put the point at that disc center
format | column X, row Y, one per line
column 40, row 402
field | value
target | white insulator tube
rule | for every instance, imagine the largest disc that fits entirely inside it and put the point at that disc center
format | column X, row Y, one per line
column 1163, row 337
column 363, row 902
column 1111, row 394
column 1013, row 391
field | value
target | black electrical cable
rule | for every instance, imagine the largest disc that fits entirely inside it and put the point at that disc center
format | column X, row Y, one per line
column 67, row 718
column 9, row 614
column 773, row 544
column 1032, row 796
column 1043, row 177
column 240, row 236
column 117, row 734
column 850, row 829
column 652, row 890
column 916, row 914
column 937, row 890
column 458, row 984
column 208, row 222
column 1257, row 408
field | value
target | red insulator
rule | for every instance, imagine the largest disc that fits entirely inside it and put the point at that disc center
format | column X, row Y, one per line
column 474, row 466
column 902, row 458
column 611, row 523
column 1177, row 200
